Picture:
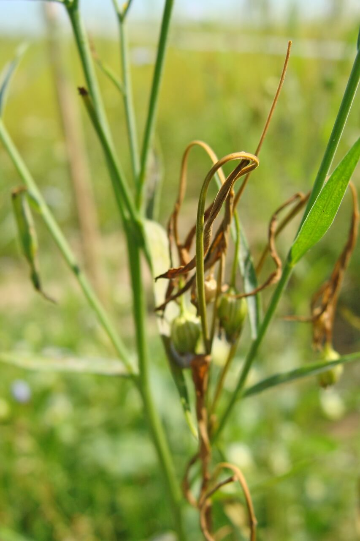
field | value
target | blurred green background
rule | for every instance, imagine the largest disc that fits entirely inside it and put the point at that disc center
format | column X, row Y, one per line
column 76, row 463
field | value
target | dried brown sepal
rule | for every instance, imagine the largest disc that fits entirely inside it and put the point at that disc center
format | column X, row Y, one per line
column 173, row 232
column 303, row 198
column 324, row 301
column 221, row 196
column 271, row 247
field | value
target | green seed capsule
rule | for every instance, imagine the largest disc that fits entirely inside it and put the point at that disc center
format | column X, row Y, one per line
column 331, row 376
column 185, row 333
column 232, row 313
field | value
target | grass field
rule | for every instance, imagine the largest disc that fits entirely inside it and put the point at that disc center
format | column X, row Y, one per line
column 76, row 463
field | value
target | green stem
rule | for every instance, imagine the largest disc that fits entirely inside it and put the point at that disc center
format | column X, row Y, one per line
column 134, row 246
column 336, row 133
column 236, row 251
column 156, row 428
column 64, row 247
column 255, row 346
column 128, row 99
column 154, row 98
column 122, row 194
column 83, row 48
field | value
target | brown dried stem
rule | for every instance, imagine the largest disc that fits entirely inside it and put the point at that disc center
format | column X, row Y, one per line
column 267, row 123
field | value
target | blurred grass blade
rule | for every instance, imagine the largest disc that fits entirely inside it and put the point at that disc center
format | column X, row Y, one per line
column 298, row 373
column 104, row 367
column 7, row 74
column 326, row 205
column 10, row 535
column 248, row 273
column 27, row 235
column 158, row 245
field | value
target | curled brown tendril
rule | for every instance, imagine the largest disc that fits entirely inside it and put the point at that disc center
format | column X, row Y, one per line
column 324, row 301
column 270, row 249
column 204, row 500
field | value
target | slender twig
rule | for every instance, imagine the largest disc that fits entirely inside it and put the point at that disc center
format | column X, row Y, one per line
column 128, row 97
column 340, row 122
column 156, row 428
column 64, row 247
column 154, row 98
column 268, row 120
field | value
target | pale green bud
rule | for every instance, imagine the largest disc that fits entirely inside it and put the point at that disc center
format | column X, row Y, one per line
column 232, row 313
column 331, row 376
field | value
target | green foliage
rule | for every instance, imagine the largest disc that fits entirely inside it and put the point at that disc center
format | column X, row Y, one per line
column 324, row 210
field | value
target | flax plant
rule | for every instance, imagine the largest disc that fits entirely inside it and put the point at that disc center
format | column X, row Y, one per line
column 194, row 298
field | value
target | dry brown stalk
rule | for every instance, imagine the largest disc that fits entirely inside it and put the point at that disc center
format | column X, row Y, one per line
column 267, row 123
column 324, row 301
column 238, row 476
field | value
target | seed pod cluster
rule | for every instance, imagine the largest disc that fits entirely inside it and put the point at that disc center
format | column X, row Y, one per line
column 331, row 376
column 232, row 313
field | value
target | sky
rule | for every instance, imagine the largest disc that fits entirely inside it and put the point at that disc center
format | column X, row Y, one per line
column 25, row 17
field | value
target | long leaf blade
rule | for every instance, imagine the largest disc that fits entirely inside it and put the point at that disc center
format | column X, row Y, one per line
column 325, row 208
column 104, row 367
column 250, row 283
column 298, row 373
column 6, row 76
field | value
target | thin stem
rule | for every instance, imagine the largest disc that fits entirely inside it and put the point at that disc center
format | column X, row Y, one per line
column 128, row 98
column 336, row 133
column 156, row 428
column 84, row 51
column 220, row 384
column 255, row 346
column 134, row 245
column 121, row 189
column 154, row 98
column 236, row 251
column 64, row 247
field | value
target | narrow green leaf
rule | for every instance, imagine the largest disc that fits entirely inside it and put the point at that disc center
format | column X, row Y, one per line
column 105, row 367
column 248, row 273
column 110, row 74
column 158, row 246
column 6, row 76
column 326, row 205
column 298, row 373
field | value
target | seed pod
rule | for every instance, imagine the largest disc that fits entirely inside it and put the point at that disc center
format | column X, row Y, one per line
column 185, row 333
column 27, row 236
column 331, row 376
column 232, row 313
